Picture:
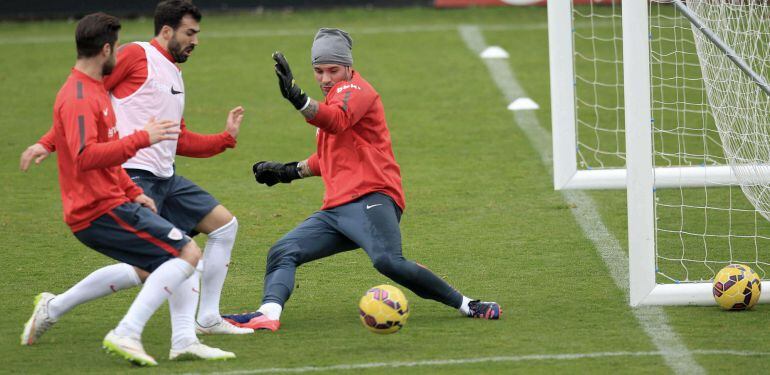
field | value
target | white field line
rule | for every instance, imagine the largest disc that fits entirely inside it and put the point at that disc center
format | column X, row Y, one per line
column 307, row 33
column 465, row 361
column 652, row 319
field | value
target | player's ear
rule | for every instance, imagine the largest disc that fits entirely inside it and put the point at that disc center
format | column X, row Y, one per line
column 166, row 32
column 106, row 50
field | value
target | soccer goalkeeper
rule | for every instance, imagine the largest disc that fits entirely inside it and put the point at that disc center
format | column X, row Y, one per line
column 364, row 199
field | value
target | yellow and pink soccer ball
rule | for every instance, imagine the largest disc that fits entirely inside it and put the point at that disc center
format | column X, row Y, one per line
column 736, row 287
column 383, row 309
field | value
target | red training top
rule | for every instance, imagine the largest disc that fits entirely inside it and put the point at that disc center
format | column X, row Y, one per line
column 354, row 154
column 129, row 75
column 90, row 151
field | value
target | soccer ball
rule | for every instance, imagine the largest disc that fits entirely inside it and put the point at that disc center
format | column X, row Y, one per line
column 736, row 287
column 383, row 309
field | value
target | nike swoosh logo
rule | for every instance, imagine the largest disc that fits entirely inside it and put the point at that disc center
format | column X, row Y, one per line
column 174, row 92
column 374, row 205
column 106, row 111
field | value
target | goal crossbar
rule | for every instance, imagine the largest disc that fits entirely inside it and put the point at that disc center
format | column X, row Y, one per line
column 665, row 177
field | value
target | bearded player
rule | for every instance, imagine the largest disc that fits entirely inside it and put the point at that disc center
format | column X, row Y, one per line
column 147, row 83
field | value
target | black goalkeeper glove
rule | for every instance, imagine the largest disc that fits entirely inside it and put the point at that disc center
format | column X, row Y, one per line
column 289, row 88
column 271, row 172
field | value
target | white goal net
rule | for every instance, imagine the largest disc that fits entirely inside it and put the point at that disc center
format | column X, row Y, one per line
column 707, row 112
column 708, row 129
column 598, row 61
column 739, row 105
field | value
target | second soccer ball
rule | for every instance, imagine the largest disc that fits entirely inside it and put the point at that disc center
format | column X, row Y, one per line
column 736, row 287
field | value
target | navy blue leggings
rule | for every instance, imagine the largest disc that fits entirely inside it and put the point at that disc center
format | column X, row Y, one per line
column 371, row 223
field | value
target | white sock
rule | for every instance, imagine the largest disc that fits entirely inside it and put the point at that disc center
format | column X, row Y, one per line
column 99, row 283
column 271, row 310
column 181, row 305
column 157, row 288
column 216, row 256
column 464, row 307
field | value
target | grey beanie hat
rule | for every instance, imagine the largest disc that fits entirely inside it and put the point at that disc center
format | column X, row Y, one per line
column 332, row 46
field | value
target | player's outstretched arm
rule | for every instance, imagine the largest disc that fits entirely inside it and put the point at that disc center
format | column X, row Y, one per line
column 289, row 89
column 91, row 154
column 158, row 131
column 337, row 114
column 271, row 172
column 198, row 145
column 286, row 83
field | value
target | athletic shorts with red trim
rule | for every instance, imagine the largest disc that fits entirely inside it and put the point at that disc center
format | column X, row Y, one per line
column 133, row 234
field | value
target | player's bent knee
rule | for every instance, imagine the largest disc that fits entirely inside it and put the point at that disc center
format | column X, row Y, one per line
column 190, row 253
column 227, row 231
column 282, row 253
column 217, row 218
column 222, row 215
column 387, row 265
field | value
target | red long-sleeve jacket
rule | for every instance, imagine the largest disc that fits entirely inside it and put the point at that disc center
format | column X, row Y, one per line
column 354, row 154
column 91, row 179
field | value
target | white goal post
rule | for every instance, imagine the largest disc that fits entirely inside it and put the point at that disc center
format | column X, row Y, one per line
column 644, row 288
column 687, row 217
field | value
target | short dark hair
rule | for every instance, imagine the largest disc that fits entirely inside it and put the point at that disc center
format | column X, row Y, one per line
column 171, row 12
column 93, row 31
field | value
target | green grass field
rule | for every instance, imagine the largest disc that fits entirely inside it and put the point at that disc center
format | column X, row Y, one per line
column 481, row 210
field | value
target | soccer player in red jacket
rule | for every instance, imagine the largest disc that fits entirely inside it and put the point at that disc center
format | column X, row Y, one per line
column 105, row 210
column 147, row 82
column 363, row 200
